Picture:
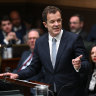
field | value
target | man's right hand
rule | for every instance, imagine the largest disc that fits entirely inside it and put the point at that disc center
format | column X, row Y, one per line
column 11, row 36
column 11, row 75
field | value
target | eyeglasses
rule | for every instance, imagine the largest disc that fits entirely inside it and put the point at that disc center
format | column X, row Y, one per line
column 34, row 38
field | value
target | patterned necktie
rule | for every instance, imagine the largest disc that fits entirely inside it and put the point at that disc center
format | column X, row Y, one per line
column 26, row 62
column 53, row 51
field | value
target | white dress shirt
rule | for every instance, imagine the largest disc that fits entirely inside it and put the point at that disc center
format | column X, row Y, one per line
column 58, row 38
column 28, row 63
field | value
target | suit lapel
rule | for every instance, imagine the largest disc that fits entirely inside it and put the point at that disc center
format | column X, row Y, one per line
column 24, row 57
column 47, row 52
column 61, row 49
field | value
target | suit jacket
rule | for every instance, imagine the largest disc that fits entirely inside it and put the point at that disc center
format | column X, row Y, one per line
column 83, row 34
column 91, row 35
column 67, row 80
column 22, row 31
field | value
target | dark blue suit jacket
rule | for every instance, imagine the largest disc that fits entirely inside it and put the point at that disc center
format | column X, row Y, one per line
column 22, row 31
column 91, row 35
column 67, row 80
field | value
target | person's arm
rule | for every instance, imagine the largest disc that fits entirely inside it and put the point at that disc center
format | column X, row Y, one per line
column 79, row 49
column 8, row 38
column 34, row 68
column 20, row 63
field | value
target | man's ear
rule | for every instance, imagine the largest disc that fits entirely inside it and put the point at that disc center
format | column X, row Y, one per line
column 45, row 24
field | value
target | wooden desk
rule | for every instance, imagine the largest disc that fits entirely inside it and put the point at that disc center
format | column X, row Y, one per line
column 24, row 84
column 12, row 63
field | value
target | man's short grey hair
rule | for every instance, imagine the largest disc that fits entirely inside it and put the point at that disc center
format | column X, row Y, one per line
column 37, row 30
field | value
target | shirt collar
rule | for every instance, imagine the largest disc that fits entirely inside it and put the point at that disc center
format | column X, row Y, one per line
column 17, row 28
column 58, row 37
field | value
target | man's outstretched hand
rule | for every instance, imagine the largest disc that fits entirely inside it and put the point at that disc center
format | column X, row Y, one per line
column 11, row 75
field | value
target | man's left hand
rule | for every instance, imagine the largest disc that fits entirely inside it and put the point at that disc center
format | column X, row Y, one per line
column 77, row 62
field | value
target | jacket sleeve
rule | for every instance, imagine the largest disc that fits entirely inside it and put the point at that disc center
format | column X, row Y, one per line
column 34, row 68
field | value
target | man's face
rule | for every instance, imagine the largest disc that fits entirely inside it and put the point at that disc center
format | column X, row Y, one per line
column 6, row 26
column 53, row 23
column 16, row 20
column 75, row 24
column 32, row 36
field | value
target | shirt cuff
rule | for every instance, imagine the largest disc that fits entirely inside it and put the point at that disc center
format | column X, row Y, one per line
column 78, row 69
column 18, row 41
column 6, row 42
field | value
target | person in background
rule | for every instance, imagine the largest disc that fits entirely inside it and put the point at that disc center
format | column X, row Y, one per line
column 32, row 36
column 76, row 24
column 91, row 86
column 40, row 27
column 26, row 58
column 91, row 36
column 7, row 35
column 61, row 54
column 29, row 25
column 18, row 25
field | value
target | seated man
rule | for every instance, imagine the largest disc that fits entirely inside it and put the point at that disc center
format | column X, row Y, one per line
column 27, row 55
column 26, row 58
column 76, row 25
column 7, row 36
column 18, row 25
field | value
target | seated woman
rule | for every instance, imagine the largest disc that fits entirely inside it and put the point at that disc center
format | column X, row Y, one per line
column 92, row 77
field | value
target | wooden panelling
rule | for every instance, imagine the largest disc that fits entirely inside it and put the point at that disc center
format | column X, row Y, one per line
column 13, row 1
column 34, row 10
column 72, row 3
column 9, row 63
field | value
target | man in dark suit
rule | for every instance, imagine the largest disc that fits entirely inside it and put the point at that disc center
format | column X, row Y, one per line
column 76, row 24
column 61, row 71
column 18, row 25
column 7, row 35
